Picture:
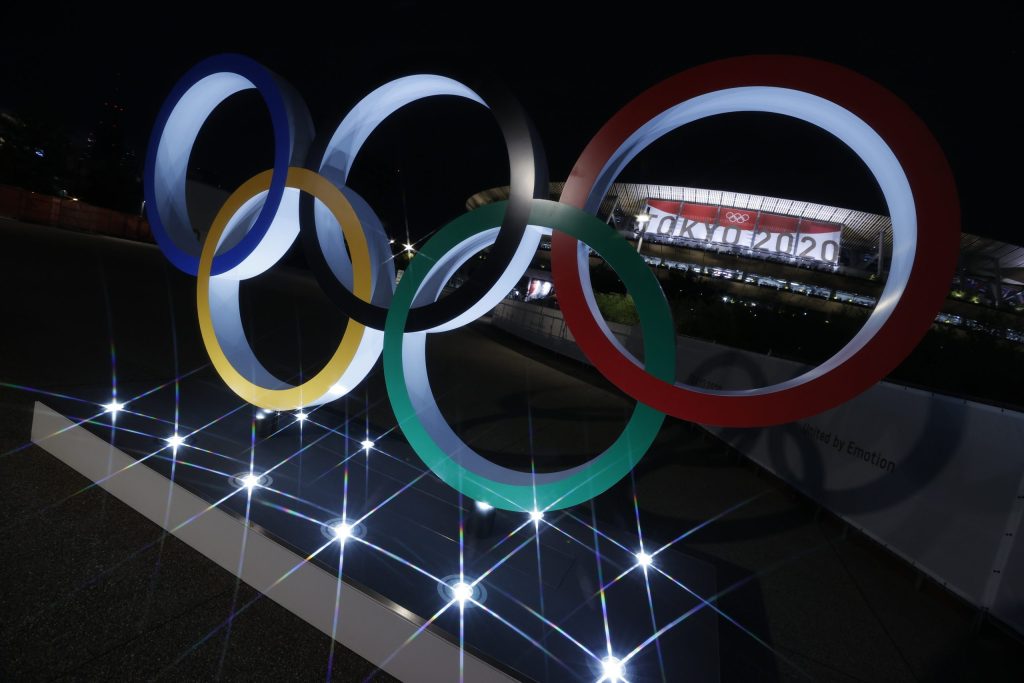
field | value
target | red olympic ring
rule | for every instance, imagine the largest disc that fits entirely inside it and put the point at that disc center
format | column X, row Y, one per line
column 934, row 259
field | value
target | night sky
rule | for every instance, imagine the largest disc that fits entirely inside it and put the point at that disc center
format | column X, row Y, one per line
column 420, row 167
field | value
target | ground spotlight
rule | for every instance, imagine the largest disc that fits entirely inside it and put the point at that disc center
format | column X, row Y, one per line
column 611, row 670
column 114, row 407
column 643, row 559
column 341, row 530
column 250, row 481
column 175, row 440
column 462, row 590
column 301, row 416
column 536, row 516
column 366, row 443
column 484, row 506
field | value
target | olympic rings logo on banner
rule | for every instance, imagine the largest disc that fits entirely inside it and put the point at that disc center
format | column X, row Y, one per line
column 737, row 217
column 305, row 196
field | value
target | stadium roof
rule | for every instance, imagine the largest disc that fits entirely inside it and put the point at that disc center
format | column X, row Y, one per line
column 861, row 229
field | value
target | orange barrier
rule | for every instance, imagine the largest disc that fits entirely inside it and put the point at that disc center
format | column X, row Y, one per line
column 32, row 207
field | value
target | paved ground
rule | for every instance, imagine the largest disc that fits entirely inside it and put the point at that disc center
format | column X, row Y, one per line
column 91, row 590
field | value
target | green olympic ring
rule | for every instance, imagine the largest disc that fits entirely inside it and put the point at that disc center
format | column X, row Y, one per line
column 429, row 434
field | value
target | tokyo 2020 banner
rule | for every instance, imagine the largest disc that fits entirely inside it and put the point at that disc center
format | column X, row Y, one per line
column 744, row 229
column 305, row 196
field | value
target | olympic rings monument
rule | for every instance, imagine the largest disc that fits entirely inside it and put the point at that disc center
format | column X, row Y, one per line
column 352, row 562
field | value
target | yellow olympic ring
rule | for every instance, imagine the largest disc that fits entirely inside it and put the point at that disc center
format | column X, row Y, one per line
column 321, row 383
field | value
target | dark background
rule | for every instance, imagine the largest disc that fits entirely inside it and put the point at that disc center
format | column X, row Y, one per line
column 63, row 68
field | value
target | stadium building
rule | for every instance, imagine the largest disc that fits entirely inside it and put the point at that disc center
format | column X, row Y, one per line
column 795, row 259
